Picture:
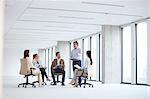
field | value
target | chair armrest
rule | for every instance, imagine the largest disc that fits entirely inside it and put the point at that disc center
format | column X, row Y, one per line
column 31, row 70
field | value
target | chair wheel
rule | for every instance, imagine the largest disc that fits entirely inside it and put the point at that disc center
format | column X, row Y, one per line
column 18, row 86
column 89, row 86
column 92, row 86
column 25, row 86
column 84, row 87
column 34, row 86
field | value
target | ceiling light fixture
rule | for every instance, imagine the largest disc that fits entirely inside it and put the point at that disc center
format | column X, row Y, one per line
column 104, row 4
column 50, row 30
column 58, row 26
column 76, row 17
column 60, row 22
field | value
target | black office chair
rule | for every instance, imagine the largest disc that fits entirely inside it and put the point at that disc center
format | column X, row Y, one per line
column 24, row 71
column 57, row 75
column 83, row 73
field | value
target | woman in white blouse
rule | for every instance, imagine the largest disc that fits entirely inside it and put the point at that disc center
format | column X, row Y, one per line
column 88, row 65
column 35, row 70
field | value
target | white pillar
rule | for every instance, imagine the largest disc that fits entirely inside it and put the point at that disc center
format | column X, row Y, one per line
column 133, row 54
column 111, row 54
column 41, row 53
column 148, row 52
column 64, row 48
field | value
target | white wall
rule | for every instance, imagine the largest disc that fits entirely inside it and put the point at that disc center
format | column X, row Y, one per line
column 63, row 48
column 111, row 54
column 12, row 60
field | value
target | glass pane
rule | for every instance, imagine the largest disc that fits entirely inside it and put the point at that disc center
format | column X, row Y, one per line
column 127, row 54
column 54, row 52
column 80, row 44
column 141, row 52
column 100, row 57
column 46, row 58
column 71, row 61
column 50, row 61
column 93, row 49
column 86, row 46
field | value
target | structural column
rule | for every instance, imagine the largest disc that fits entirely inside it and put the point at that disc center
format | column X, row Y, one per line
column 111, row 54
column 64, row 48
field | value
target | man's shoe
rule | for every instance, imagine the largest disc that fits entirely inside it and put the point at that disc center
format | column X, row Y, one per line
column 63, row 84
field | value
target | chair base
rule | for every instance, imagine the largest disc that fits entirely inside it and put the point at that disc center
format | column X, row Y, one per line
column 26, row 84
column 44, row 83
column 84, row 84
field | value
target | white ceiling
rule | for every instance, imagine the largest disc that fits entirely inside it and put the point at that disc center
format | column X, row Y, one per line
column 45, row 22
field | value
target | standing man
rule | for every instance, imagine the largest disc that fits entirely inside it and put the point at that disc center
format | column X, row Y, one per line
column 76, row 59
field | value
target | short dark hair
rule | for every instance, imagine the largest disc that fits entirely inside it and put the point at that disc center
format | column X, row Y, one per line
column 57, row 53
column 76, row 42
column 26, row 53
column 34, row 55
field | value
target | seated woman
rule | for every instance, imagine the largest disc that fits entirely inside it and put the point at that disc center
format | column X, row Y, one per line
column 35, row 71
column 38, row 64
column 87, row 65
column 58, row 66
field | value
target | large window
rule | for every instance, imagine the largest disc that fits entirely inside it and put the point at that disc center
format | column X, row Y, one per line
column 86, row 46
column 91, row 43
column 100, row 55
column 80, row 46
column 141, row 52
column 127, row 54
column 46, row 58
column 71, row 61
column 53, row 52
column 94, row 56
column 50, row 61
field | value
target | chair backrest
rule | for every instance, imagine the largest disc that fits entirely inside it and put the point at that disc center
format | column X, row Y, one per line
column 24, row 67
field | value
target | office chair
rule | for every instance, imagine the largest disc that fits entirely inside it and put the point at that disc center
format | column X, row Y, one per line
column 57, row 75
column 84, row 74
column 44, row 83
column 24, row 71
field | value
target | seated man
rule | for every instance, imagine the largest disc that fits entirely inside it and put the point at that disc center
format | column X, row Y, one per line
column 58, row 67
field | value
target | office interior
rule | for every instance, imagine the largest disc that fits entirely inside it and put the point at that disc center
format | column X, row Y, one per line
column 116, row 32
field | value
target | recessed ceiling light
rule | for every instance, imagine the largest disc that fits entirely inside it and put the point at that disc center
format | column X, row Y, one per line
column 77, row 17
column 80, row 23
column 82, row 31
column 58, row 26
column 103, row 4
